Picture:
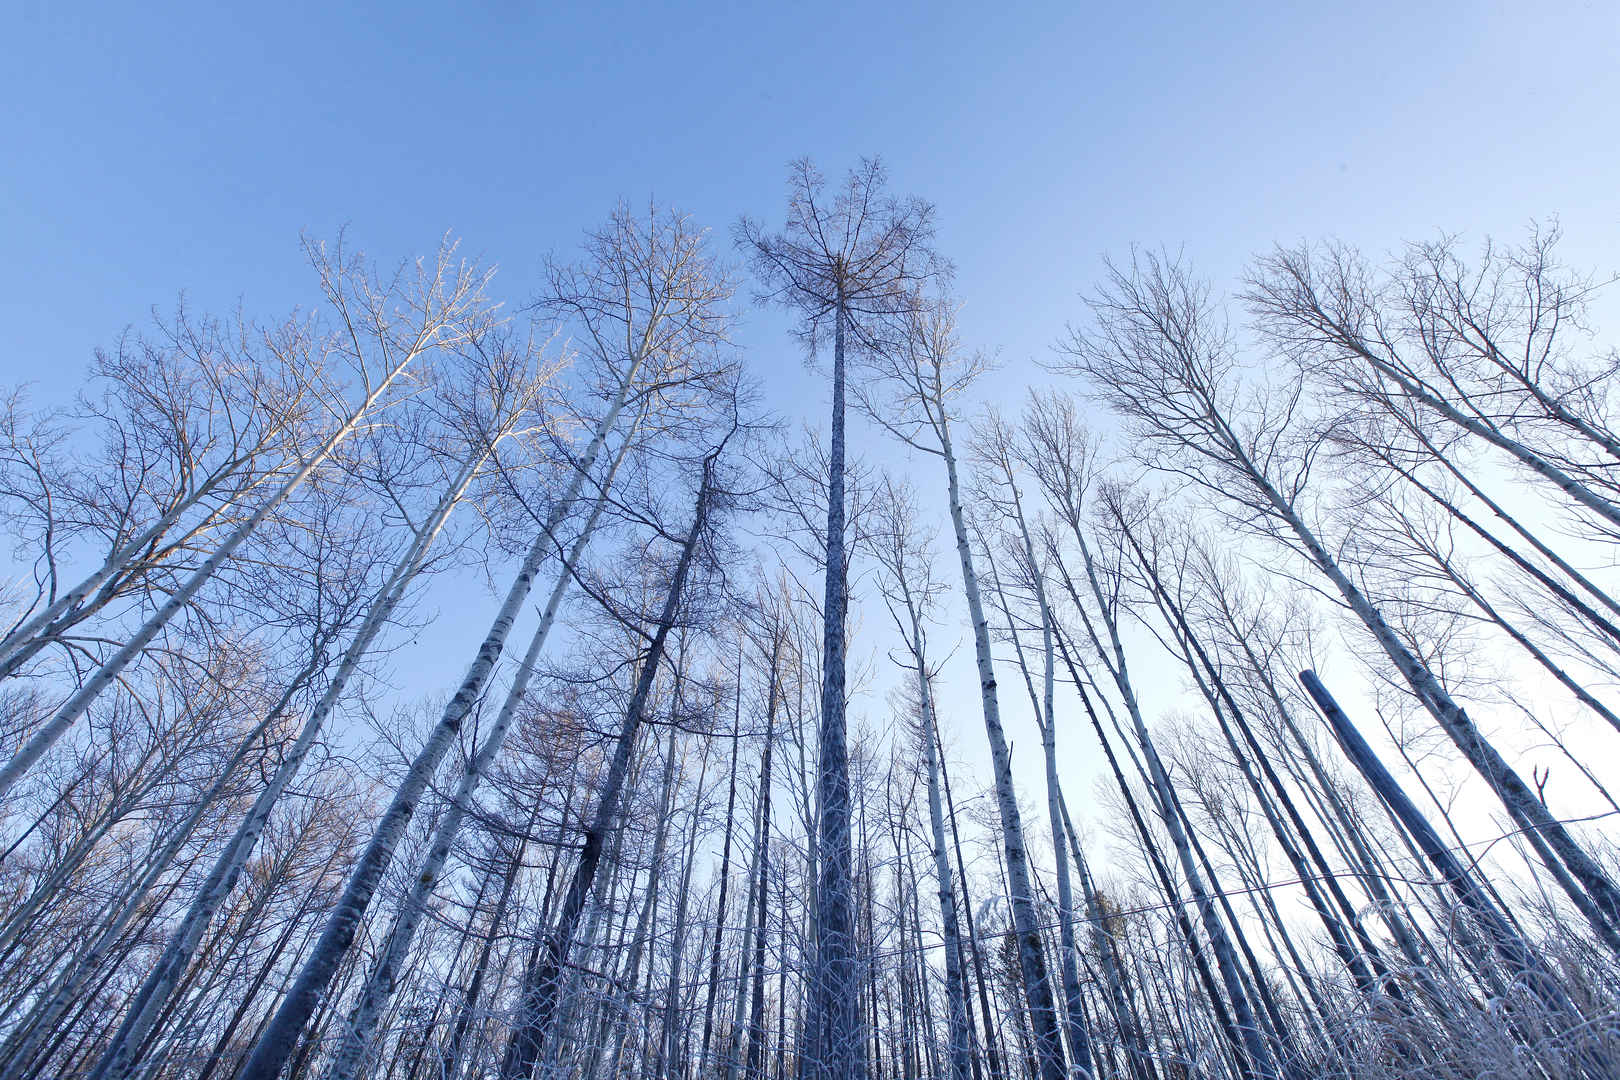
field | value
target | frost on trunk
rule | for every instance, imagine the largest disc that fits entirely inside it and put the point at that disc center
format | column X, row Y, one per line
column 959, row 1044
column 1160, row 357
column 928, row 370
column 663, row 1056
column 1515, row 953
column 998, row 451
column 909, row 590
column 1260, row 1058
column 753, row 938
column 724, row 874
column 150, row 1001
column 453, row 1052
column 1365, row 964
column 1031, row 953
column 837, row 1039
column 756, row 1024
column 1592, row 890
column 87, row 964
column 856, row 258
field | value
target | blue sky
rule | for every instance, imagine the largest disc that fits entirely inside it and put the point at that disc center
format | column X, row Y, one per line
column 149, row 150
column 153, row 149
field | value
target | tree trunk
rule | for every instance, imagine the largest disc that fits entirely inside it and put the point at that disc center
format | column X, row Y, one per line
column 538, row 1001
column 118, row 1060
column 1031, row 955
column 835, row 1023
column 379, row 987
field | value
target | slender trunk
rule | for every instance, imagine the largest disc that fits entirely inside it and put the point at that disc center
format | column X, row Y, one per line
column 1238, row 1037
column 1031, row 955
column 538, row 1001
column 1587, row 883
column 725, row 873
column 1045, row 709
column 1137, row 1054
column 1515, row 952
column 274, row 1047
column 77, row 603
column 104, row 676
column 451, row 1059
column 1494, row 435
column 1228, row 715
column 143, row 1011
column 959, row 1041
column 992, row 1030
column 85, row 965
column 663, row 1064
column 756, row 1025
column 836, row 1025
column 379, row 987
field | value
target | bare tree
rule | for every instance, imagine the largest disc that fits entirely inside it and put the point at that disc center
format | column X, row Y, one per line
column 910, row 593
column 657, row 297
column 1160, row 356
column 382, row 330
column 854, row 258
column 928, row 374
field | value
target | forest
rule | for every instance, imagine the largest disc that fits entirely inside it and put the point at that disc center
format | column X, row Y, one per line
column 763, row 765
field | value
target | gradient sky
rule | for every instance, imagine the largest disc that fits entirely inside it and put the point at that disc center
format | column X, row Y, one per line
column 146, row 150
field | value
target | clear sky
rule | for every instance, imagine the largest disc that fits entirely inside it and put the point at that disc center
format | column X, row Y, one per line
column 148, row 149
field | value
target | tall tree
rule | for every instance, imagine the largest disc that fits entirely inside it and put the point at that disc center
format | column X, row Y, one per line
column 910, row 593
column 382, row 330
column 854, row 259
column 649, row 296
column 1161, row 356
column 542, row 982
column 925, row 376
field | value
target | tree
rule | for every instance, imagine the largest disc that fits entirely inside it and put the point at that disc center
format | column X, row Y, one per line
column 910, row 593
column 657, row 297
column 541, row 983
column 383, row 328
column 1160, row 356
column 927, row 374
column 855, row 259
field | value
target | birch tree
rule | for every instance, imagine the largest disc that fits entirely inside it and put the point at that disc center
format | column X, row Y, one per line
column 382, row 329
column 183, row 425
column 647, row 297
column 512, row 390
column 928, row 373
column 541, row 983
column 1159, row 355
column 910, row 593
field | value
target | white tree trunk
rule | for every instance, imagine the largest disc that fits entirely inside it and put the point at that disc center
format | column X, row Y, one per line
column 1592, row 890
column 87, row 964
column 837, row 1049
column 959, row 1044
column 104, row 676
column 1260, row 1058
column 279, row 1037
column 1031, row 957
column 541, row 988
column 117, row 1062
column 379, row 988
